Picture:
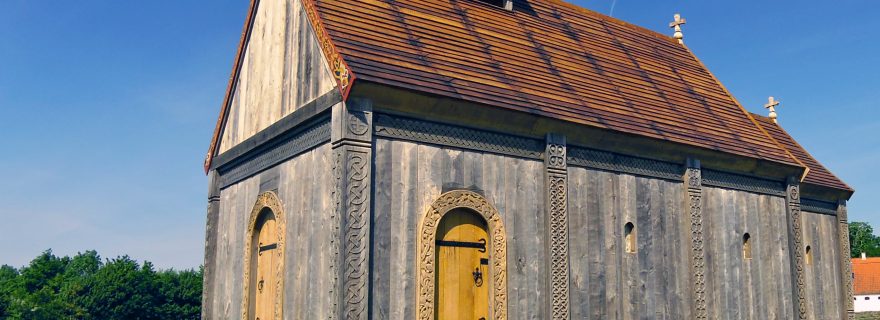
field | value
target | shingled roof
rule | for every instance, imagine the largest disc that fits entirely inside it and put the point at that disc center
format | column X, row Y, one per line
column 545, row 57
column 817, row 174
column 549, row 58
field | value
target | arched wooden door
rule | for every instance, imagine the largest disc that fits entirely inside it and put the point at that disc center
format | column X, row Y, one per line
column 462, row 267
column 265, row 261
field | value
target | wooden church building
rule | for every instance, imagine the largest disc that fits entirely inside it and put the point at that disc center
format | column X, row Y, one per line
column 489, row 159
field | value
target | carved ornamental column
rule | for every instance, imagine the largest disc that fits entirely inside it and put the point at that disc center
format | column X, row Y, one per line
column 846, row 283
column 351, row 138
column 213, row 215
column 556, row 180
column 795, row 241
column 693, row 180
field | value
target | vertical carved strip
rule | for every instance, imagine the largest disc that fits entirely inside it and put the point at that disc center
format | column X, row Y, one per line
column 557, row 225
column 795, row 240
column 213, row 214
column 845, row 261
column 335, row 224
column 694, row 183
column 352, row 149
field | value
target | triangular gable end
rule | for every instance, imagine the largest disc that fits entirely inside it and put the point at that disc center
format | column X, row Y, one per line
column 285, row 59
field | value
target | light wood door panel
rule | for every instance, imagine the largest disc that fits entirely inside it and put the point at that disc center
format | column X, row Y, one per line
column 267, row 263
column 462, row 267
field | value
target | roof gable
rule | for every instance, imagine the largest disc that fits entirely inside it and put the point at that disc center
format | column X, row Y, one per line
column 817, row 174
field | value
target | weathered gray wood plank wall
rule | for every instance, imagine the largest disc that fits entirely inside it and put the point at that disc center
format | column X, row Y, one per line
column 739, row 288
column 305, row 192
column 606, row 281
column 283, row 68
column 409, row 176
column 823, row 274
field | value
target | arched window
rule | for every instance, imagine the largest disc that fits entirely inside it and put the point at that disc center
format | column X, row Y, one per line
column 461, row 264
column 629, row 236
column 747, row 246
column 264, row 260
column 808, row 256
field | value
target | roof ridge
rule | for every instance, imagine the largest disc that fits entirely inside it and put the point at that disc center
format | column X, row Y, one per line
column 613, row 20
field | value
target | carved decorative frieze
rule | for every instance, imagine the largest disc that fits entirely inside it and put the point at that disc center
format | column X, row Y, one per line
column 352, row 153
column 426, row 258
column 265, row 158
column 796, row 247
column 265, row 200
column 817, row 206
column 740, row 182
column 694, row 184
column 455, row 136
column 615, row 162
column 557, row 225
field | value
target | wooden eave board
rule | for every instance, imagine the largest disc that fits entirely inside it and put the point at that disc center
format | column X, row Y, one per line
column 551, row 59
column 818, row 174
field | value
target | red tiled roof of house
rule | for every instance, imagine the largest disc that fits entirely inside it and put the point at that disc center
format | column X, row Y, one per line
column 818, row 174
column 867, row 276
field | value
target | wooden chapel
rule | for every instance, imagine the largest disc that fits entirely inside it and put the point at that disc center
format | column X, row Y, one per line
column 497, row 159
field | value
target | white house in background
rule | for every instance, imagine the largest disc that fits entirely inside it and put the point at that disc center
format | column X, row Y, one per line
column 866, row 283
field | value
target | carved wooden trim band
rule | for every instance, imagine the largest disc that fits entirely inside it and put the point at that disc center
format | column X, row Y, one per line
column 556, row 222
column 845, row 261
column 425, row 257
column 265, row 200
column 796, row 253
column 610, row 161
column 352, row 164
column 818, row 206
column 455, row 136
column 693, row 182
column 740, row 182
column 286, row 148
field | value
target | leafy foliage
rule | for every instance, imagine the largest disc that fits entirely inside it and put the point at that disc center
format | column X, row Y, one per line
column 862, row 239
column 84, row 287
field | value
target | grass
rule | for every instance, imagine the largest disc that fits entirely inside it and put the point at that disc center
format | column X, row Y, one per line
column 867, row 316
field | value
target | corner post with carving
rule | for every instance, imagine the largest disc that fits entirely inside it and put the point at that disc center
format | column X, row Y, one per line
column 556, row 180
column 845, row 261
column 213, row 214
column 795, row 245
column 351, row 136
column 693, row 181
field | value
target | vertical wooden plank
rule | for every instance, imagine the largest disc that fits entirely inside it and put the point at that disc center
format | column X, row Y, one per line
column 383, row 219
column 580, row 241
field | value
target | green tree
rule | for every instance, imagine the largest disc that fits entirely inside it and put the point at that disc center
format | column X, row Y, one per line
column 862, row 239
column 121, row 290
column 181, row 293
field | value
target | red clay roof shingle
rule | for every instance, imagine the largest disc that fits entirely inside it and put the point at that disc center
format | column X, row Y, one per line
column 818, row 174
column 866, row 276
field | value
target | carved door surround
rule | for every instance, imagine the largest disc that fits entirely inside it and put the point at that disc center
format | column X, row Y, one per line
column 267, row 203
column 426, row 252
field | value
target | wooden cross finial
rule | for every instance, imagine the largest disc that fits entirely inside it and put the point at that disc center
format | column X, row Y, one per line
column 676, row 25
column 772, row 104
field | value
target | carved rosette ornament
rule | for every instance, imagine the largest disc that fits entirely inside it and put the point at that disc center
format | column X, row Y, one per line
column 557, row 225
column 846, row 263
column 351, row 138
column 265, row 200
column 694, row 184
column 426, row 258
column 796, row 246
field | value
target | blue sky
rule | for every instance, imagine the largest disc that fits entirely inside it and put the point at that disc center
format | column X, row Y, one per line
column 107, row 107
